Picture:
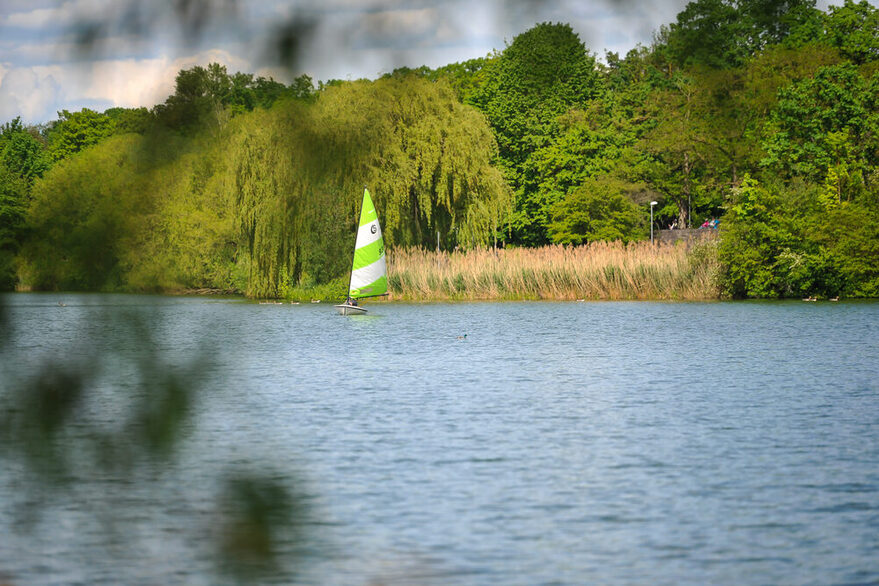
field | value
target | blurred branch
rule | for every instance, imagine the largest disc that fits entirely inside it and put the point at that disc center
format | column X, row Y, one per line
column 259, row 520
column 86, row 431
column 284, row 39
column 141, row 19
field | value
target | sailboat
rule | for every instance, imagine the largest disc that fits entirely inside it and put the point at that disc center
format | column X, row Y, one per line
column 369, row 276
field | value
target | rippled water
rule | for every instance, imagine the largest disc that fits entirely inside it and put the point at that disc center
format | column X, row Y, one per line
column 557, row 443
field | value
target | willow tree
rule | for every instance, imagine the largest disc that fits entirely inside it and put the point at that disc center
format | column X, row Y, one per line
column 188, row 238
column 426, row 156
column 300, row 172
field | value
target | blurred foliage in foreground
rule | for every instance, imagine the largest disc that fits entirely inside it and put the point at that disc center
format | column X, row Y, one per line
column 91, row 435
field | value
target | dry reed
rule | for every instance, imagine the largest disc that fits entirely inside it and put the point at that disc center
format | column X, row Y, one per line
column 599, row 270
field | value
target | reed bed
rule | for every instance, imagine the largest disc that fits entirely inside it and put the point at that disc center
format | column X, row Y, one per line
column 601, row 270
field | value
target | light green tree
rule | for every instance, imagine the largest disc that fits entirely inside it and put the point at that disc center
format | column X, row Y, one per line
column 300, row 172
column 75, row 131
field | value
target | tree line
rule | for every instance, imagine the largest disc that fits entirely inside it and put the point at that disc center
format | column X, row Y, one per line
column 762, row 113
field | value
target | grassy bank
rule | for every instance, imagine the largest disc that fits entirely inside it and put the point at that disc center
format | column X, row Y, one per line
column 595, row 271
column 606, row 271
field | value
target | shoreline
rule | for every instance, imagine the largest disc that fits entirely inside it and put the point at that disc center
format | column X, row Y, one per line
column 600, row 271
column 199, row 293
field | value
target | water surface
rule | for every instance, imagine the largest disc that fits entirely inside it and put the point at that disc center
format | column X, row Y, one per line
column 476, row 443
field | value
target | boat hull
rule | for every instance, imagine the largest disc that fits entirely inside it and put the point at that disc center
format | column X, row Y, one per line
column 346, row 309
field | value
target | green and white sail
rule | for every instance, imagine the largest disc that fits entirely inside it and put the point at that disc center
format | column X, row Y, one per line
column 369, row 273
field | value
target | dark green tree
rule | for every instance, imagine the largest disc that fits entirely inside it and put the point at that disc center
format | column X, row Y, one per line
column 125, row 120
column 205, row 98
column 853, row 28
column 541, row 75
column 301, row 88
column 725, row 33
column 707, row 32
column 826, row 129
column 196, row 103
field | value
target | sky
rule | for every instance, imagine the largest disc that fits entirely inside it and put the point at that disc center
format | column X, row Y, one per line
column 74, row 54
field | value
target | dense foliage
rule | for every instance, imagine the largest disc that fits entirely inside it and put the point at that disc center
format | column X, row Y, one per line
column 300, row 174
column 764, row 114
column 23, row 159
column 544, row 73
column 267, row 200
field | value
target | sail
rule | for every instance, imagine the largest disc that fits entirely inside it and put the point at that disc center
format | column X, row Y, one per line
column 369, row 273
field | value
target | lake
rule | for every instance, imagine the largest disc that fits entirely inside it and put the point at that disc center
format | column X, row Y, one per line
column 462, row 443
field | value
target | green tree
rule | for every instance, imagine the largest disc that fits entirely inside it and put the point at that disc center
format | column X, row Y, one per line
column 13, row 197
column 827, row 128
column 589, row 144
column 269, row 200
column 300, row 170
column 725, row 33
column 23, row 160
column 675, row 162
column 850, row 235
column 853, row 28
column 466, row 77
column 599, row 209
column 541, row 75
column 780, row 241
column 778, row 67
column 752, row 242
column 22, row 151
column 186, row 236
column 75, row 131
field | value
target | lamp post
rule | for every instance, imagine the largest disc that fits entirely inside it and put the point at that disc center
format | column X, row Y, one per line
column 652, row 203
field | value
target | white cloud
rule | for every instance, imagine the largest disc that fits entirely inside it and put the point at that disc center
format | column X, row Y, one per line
column 27, row 92
column 41, row 72
column 64, row 13
column 352, row 39
column 133, row 83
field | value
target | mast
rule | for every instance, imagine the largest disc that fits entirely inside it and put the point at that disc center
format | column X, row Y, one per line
column 353, row 252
